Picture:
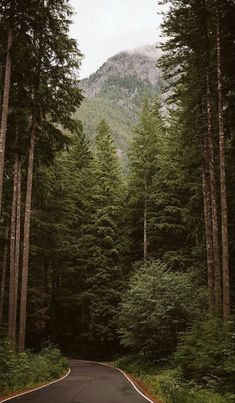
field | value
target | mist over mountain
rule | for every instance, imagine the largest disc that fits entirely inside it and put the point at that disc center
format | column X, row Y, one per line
column 115, row 92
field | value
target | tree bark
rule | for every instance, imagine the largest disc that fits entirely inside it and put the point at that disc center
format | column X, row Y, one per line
column 5, row 110
column 214, row 204
column 223, row 187
column 17, row 250
column 208, row 226
column 25, row 265
column 4, row 272
column 206, row 86
column 11, row 337
column 145, row 218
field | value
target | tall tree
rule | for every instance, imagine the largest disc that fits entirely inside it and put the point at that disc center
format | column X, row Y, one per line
column 5, row 107
column 27, row 216
column 223, row 186
column 44, row 98
column 102, row 243
column 4, row 272
column 11, row 313
column 144, row 153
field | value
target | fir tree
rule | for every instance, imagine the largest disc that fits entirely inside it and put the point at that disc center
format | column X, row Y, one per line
column 144, row 165
column 102, row 242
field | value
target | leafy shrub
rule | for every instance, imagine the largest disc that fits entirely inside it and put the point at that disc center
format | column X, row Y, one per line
column 206, row 354
column 22, row 370
column 169, row 386
column 158, row 305
column 134, row 364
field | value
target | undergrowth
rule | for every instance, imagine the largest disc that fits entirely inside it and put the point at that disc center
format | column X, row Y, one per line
column 19, row 371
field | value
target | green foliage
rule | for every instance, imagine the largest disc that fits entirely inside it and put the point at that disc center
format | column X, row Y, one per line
column 143, row 168
column 101, row 243
column 158, row 305
column 93, row 110
column 206, row 354
column 25, row 370
column 168, row 385
column 58, row 201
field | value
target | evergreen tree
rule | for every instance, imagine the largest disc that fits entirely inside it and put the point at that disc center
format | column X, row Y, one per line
column 45, row 96
column 144, row 166
column 199, row 90
column 102, row 243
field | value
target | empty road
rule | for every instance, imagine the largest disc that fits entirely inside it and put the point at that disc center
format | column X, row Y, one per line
column 87, row 383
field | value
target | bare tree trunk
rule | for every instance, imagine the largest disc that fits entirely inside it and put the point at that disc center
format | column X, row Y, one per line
column 12, row 255
column 214, row 206
column 17, row 250
column 145, row 218
column 5, row 109
column 25, row 266
column 223, row 187
column 4, row 272
column 208, row 226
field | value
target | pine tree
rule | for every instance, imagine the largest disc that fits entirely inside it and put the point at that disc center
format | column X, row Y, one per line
column 44, row 98
column 57, row 281
column 144, row 166
column 5, row 102
column 102, row 242
column 223, row 185
column 199, row 89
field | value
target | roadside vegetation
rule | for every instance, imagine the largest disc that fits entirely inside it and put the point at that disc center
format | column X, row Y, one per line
column 168, row 385
column 21, row 371
column 178, row 352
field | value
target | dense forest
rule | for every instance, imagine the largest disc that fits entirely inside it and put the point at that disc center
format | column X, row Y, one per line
column 110, row 257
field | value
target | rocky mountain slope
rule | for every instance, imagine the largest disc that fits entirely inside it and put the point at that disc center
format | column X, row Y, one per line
column 116, row 90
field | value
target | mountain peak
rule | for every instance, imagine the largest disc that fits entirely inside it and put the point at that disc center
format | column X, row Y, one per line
column 116, row 91
column 139, row 62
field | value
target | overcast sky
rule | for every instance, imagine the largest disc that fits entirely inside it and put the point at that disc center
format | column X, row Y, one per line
column 105, row 27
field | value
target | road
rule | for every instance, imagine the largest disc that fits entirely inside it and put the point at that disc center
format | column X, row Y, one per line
column 87, row 383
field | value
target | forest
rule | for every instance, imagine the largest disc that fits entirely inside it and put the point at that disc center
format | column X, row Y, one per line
column 110, row 258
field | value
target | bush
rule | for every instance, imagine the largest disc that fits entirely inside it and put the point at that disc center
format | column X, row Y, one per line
column 168, row 385
column 158, row 305
column 22, row 370
column 206, row 354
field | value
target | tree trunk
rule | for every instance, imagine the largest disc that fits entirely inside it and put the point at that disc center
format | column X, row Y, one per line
column 25, row 266
column 12, row 255
column 214, row 206
column 17, row 251
column 208, row 226
column 5, row 109
column 4, row 272
column 223, row 187
column 145, row 218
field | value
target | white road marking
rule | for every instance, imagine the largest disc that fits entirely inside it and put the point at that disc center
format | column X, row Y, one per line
column 123, row 373
column 65, row 376
column 134, row 386
column 33, row 390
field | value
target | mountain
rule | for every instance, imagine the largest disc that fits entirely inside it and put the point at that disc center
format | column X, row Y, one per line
column 116, row 90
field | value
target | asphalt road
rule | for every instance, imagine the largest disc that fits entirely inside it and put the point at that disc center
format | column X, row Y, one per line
column 87, row 383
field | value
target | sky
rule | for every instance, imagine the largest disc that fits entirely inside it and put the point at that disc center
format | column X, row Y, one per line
column 106, row 27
